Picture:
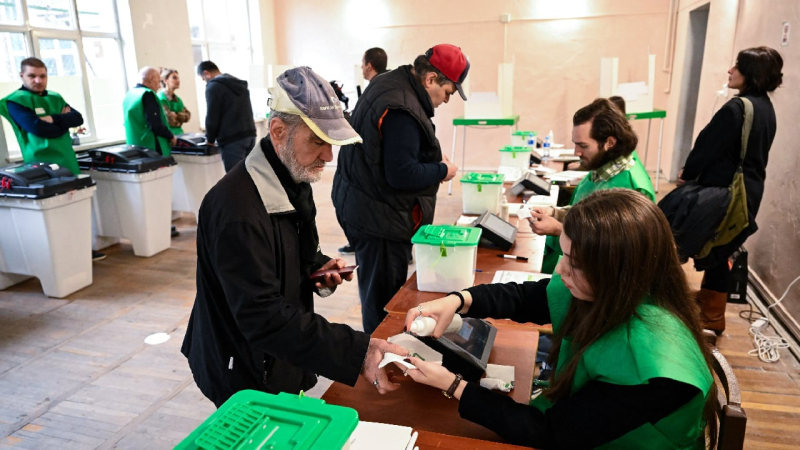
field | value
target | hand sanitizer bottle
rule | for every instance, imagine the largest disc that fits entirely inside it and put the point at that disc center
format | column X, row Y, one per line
column 424, row 326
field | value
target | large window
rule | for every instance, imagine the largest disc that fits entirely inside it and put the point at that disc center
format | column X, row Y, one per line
column 79, row 42
column 220, row 32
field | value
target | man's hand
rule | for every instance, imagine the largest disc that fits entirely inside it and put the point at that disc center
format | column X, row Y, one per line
column 370, row 371
column 575, row 165
column 452, row 169
column 335, row 279
column 66, row 109
column 543, row 223
column 680, row 181
column 48, row 119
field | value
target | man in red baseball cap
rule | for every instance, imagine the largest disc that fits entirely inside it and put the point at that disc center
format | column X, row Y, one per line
column 385, row 187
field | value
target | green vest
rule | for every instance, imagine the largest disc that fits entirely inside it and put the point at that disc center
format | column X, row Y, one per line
column 635, row 178
column 35, row 148
column 175, row 106
column 654, row 345
column 137, row 132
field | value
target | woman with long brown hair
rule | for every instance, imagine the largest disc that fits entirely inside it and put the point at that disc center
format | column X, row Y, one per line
column 631, row 366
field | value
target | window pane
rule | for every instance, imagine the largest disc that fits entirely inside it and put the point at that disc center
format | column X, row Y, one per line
column 51, row 14
column 13, row 49
column 64, row 71
column 216, row 14
column 199, row 55
column 106, row 85
column 97, row 15
column 10, row 12
column 196, row 27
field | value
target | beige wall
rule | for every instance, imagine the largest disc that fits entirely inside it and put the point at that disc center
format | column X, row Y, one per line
column 556, row 47
column 161, row 38
column 774, row 249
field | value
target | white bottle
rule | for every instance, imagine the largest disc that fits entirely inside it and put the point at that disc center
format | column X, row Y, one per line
column 548, row 140
column 504, row 209
column 424, row 326
column 531, row 141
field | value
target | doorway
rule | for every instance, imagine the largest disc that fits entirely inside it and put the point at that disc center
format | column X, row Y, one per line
column 687, row 110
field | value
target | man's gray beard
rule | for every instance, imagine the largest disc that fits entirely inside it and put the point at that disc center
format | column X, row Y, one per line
column 299, row 173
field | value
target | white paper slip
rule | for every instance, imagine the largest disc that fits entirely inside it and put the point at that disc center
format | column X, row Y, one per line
column 514, row 276
column 568, row 175
column 389, row 358
column 416, row 348
column 466, row 221
column 372, row 435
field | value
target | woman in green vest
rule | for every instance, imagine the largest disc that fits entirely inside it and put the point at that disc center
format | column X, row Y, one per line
column 177, row 114
column 631, row 367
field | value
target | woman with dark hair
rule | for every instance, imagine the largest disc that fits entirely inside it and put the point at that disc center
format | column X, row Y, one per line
column 176, row 112
column 631, row 367
column 715, row 158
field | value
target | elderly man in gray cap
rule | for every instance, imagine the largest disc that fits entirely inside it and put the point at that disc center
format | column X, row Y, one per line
column 253, row 324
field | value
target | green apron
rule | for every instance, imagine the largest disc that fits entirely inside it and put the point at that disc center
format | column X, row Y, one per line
column 635, row 178
column 175, row 106
column 137, row 132
column 35, row 148
column 656, row 346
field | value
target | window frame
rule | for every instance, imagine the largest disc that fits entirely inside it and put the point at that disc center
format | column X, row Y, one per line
column 32, row 36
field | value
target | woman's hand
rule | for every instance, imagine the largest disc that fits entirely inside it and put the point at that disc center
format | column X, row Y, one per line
column 442, row 310
column 432, row 374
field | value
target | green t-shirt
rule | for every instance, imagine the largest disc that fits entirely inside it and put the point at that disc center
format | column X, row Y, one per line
column 175, row 106
column 36, row 148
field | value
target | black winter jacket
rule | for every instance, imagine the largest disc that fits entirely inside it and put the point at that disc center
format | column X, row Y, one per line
column 367, row 206
column 253, row 324
column 229, row 115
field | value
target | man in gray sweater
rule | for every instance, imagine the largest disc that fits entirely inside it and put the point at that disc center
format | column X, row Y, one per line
column 229, row 115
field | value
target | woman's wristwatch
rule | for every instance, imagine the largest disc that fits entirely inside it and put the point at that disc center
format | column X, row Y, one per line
column 452, row 389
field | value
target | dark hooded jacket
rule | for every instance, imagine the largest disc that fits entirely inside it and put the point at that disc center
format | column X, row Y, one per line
column 229, row 116
column 253, row 324
column 367, row 206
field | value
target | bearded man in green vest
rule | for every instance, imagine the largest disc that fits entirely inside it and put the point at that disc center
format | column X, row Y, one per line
column 604, row 140
column 41, row 119
column 145, row 123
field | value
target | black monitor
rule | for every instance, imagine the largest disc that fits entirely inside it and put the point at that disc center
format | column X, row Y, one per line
column 496, row 230
column 467, row 350
column 532, row 182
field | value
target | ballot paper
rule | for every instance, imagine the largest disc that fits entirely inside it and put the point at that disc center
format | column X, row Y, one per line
column 372, row 435
column 568, row 175
column 500, row 378
column 514, row 276
column 415, row 347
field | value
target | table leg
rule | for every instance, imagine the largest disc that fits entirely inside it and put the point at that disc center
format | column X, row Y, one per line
column 463, row 149
column 452, row 157
column 647, row 144
column 658, row 162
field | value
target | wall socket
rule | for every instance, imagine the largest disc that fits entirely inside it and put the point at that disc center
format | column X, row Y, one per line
column 505, row 18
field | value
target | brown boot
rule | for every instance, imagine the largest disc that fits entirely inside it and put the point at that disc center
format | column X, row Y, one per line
column 712, row 309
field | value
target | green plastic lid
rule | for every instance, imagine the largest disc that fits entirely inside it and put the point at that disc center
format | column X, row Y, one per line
column 483, row 178
column 256, row 420
column 447, row 235
column 509, row 148
column 523, row 133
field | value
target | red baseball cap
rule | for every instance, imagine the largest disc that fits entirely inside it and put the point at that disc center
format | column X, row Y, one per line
column 449, row 60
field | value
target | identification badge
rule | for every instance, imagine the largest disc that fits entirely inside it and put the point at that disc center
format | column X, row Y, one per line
column 40, row 111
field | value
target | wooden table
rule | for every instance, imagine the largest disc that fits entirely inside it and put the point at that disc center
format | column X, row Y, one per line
column 425, row 408
column 436, row 441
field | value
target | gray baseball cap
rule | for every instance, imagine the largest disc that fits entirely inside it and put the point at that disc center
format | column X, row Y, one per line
column 303, row 92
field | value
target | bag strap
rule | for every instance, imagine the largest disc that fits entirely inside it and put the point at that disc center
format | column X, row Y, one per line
column 746, row 127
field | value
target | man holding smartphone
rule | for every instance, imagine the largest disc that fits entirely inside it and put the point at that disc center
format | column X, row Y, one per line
column 253, row 324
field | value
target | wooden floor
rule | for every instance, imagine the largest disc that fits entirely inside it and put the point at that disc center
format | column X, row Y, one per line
column 75, row 373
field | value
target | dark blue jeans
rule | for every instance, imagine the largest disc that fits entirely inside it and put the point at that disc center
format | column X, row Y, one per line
column 382, row 271
column 236, row 151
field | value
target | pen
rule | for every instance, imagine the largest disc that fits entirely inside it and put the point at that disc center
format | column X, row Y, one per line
column 518, row 258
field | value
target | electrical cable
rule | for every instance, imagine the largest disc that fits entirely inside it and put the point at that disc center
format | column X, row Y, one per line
column 766, row 346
